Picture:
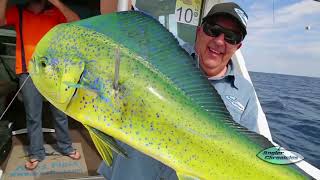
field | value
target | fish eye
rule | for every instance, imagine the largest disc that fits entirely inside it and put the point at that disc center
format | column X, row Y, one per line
column 43, row 61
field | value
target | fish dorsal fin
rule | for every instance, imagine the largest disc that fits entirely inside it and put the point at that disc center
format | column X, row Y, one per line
column 161, row 53
column 148, row 39
column 104, row 144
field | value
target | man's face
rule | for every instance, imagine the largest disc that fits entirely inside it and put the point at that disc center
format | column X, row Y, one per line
column 36, row 6
column 38, row 2
column 214, row 52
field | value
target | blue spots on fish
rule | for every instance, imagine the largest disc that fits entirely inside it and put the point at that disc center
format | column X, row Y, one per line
column 105, row 99
column 87, row 62
column 84, row 74
column 96, row 83
column 69, row 62
column 54, row 62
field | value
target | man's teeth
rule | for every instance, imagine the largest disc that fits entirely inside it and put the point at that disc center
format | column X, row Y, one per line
column 214, row 51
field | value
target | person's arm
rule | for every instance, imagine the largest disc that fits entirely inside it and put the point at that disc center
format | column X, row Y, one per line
column 3, row 7
column 67, row 12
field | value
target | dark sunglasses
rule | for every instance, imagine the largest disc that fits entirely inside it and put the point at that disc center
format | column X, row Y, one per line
column 215, row 30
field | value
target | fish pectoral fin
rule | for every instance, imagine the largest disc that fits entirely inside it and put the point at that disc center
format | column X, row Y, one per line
column 72, row 84
column 183, row 176
column 92, row 91
column 77, row 85
column 104, row 144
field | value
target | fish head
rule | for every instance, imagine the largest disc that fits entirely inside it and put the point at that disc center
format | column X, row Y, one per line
column 53, row 66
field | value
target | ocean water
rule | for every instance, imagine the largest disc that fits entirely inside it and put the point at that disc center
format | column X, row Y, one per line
column 292, row 107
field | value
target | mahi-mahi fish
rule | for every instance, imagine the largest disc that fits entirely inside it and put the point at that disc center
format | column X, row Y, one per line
column 163, row 105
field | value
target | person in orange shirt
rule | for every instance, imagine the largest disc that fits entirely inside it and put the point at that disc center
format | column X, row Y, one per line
column 32, row 21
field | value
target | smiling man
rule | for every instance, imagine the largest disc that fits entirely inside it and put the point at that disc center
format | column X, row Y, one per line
column 218, row 38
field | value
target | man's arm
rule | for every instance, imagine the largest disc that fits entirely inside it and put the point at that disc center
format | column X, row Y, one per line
column 67, row 12
column 3, row 7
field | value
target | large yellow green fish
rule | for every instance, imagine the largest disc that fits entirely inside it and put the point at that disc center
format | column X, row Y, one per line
column 162, row 106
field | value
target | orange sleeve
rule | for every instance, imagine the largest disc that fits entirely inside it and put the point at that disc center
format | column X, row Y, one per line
column 12, row 16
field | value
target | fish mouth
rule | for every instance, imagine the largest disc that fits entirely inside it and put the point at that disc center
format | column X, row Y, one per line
column 55, row 99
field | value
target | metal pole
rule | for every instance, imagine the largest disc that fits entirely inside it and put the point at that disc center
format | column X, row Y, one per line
column 166, row 21
column 116, row 70
column 123, row 5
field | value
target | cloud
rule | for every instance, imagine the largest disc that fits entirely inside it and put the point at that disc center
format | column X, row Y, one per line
column 301, row 12
column 283, row 46
column 297, row 12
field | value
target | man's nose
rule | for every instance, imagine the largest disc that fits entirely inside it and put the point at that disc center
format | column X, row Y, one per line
column 219, row 39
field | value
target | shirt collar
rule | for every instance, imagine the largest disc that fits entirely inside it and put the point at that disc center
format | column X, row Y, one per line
column 229, row 72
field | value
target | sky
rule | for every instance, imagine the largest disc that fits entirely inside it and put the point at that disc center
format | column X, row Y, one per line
column 278, row 41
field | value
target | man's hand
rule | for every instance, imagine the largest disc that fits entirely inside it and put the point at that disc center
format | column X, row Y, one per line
column 67, row 12
column 54, row 2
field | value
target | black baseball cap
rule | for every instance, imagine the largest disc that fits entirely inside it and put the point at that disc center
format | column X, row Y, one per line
column 231, row 9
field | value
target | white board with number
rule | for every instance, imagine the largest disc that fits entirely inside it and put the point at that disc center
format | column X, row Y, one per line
column 188, row 11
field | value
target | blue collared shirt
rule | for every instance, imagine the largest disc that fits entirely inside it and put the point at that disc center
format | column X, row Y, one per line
column 238, row 95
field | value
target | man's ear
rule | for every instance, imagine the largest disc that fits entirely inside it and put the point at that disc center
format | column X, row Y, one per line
column 198, row 29
column 239, row 46
column 195, row 40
